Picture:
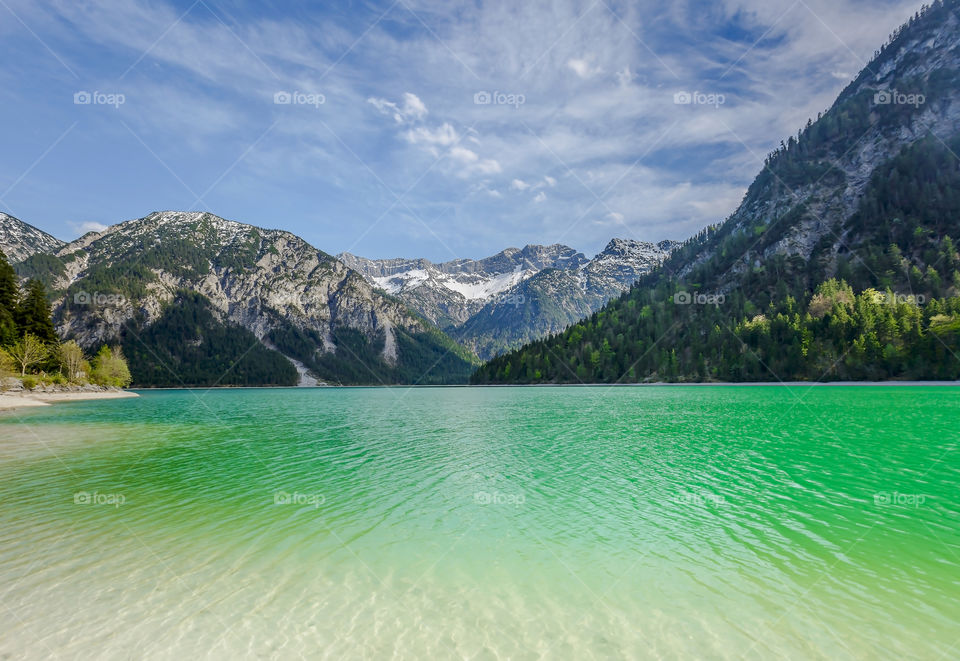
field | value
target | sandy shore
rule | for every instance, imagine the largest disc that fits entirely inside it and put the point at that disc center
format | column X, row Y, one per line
column 18, row 400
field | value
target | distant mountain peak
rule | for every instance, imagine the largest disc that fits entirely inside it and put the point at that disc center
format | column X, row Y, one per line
column 19, row 240
column 468, row 297
column 632, row 246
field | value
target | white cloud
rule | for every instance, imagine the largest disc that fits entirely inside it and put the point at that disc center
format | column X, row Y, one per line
column 443, row 135
column 582, row 67
column 411, row 109
column 519, row 184
column 471, row 164
column 550, row 181
column 464, row 155
column 87, row 226
column 541, row 197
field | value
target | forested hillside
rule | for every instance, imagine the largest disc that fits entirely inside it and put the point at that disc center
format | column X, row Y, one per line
column 823, row 272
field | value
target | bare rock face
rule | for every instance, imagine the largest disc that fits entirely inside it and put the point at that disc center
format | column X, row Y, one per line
column 906, row 94
column 495, row 304
column 553, row 299
column 18, row 240
column 449, row 293
column 259, row 279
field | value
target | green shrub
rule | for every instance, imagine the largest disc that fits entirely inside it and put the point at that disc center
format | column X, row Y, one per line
column 110, row 368
column 29, row 382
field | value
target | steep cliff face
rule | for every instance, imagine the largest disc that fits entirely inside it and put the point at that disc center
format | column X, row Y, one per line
column 291, row 296
column 798, row 204
column 18, row 240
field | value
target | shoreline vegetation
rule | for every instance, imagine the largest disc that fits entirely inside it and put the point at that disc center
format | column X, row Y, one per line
column 651, row 384
column 32, row 357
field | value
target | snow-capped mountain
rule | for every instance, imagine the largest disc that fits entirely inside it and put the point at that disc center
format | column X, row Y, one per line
column 553, row 299
column 624, row 259
column 449, row 293
column 18, row 240
column 498, row 303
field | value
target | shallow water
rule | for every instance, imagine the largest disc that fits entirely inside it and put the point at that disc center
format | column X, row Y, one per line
column 649, row 522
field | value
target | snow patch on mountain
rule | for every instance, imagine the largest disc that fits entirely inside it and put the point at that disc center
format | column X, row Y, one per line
column 448, row 293
column 489, row 303
column 18, row 240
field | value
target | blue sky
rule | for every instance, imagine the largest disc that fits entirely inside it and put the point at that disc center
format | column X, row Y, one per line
column 414, row 128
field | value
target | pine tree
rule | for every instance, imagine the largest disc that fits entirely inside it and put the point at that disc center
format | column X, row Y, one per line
column 8, row 302
column 33, row 314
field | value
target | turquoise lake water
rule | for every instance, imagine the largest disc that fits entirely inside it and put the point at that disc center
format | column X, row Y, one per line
column 484, row 523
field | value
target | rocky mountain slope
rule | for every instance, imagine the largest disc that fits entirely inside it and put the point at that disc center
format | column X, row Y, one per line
column 552, row 299
column 498, row 303
column 288, row 296
column 448, row 293
column 820, row 271
column 798, row 202
column 18, row 240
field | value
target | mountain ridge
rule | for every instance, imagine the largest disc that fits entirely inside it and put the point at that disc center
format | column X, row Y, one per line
column 448, row 293
column 20, row 240
column 294, row 298
column 498, row 302
column 818, row 270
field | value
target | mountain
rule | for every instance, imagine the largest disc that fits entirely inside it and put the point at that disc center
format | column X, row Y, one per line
column 247, row 305
column 450, row 292
column 18, row 240
column 840, row 263
column 495, row 304
column 554, row 298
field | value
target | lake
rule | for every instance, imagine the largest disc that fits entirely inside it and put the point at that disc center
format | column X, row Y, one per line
column 484, row 523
